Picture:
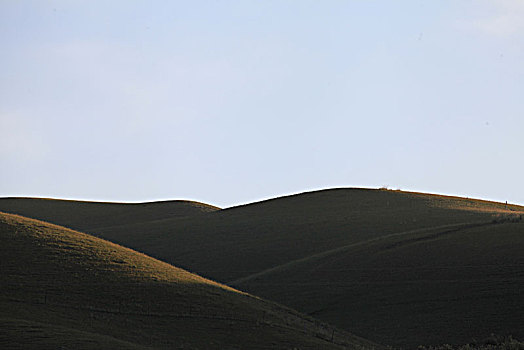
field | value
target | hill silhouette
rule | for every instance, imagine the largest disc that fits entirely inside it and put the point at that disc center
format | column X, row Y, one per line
column 87, row 216
column 232, row 243
column 62, row 288
column 271, row 248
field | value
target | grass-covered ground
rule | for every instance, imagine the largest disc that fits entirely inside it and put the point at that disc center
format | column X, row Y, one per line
column 88, row 216
column 449, row 284
column 397, row 267
column 489, row 343
column 232, row 243
column 64, row 289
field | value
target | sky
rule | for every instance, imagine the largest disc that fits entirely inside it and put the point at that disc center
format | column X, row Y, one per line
column 230, row 102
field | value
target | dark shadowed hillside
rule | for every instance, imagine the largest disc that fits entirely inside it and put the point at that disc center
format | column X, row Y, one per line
column 62, row 289
column 445, row 285
column 313, row 251
column 87, row 216
column 233, row 243
column 229, row 244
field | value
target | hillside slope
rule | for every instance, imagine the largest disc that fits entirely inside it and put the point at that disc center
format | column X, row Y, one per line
column 88, row 216
column 62, row 288
column 444, row 285
column 279, row 241
column 233, row 243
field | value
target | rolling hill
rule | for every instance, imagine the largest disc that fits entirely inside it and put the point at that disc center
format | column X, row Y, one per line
column 313, row 251
column 232, row 243
column 88, row 216
column 443, row 285
column 62, row 289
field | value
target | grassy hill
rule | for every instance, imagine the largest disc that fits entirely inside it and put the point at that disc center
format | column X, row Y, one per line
column 62, row 289
column 443, row 285
column 272, row 249
column 229, row 244
column 88, row 216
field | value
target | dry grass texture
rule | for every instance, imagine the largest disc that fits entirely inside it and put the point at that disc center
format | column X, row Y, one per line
column 64, row 288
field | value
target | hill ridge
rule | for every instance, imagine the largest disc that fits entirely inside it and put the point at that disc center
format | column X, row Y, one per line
column 189, row 201
column 334, row 189
column 90, row 216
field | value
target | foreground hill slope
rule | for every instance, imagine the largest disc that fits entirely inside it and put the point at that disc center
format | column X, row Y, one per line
column 442, row 285
column 88, row 216
column 62, row 288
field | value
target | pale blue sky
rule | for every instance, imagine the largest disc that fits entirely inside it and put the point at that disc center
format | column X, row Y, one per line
column 229, row 102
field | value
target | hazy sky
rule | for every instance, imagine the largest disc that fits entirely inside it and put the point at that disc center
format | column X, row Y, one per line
column 229, row 102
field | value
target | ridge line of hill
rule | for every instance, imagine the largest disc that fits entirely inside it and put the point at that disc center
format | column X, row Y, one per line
column 333, row 189
column 90, row 216
column 119, row 246
column 448, row 229
column 187, row 201
column 316, row 191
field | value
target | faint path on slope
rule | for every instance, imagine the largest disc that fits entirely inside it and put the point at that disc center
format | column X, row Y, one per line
column 441, row 230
